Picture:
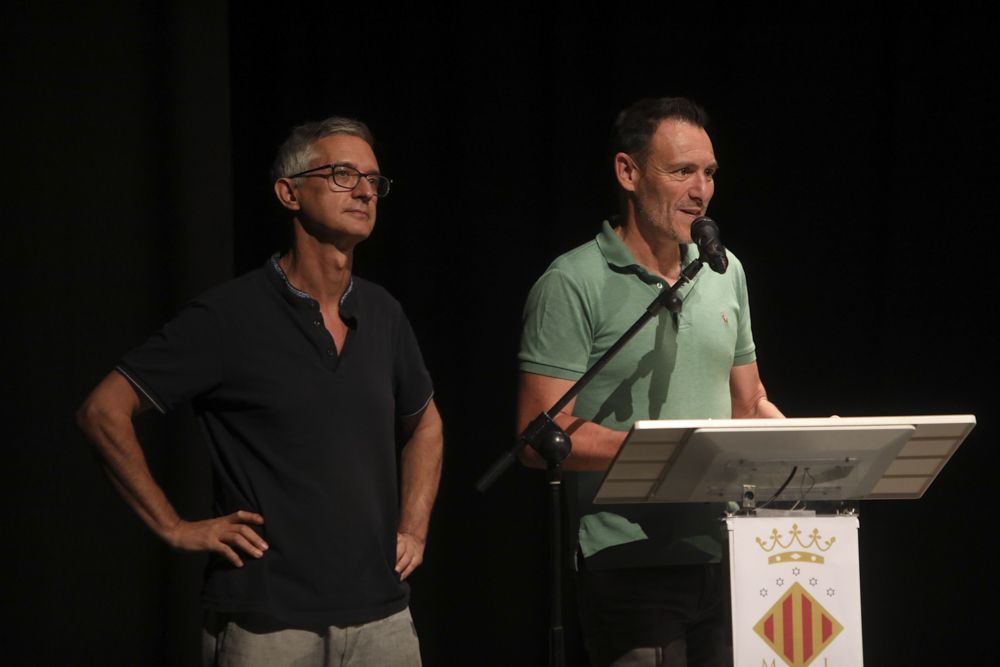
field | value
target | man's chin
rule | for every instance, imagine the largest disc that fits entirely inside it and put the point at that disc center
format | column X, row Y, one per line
column 344, row 237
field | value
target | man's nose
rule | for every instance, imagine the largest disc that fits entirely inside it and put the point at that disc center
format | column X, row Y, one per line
column 701, row 187
column 364, row 189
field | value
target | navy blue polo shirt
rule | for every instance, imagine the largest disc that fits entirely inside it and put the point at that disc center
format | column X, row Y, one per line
column 299, row 433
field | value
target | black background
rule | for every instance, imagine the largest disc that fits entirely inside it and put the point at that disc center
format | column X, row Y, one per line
column 857, row 152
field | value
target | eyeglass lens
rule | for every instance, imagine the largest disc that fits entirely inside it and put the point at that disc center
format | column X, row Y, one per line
column 349, row 177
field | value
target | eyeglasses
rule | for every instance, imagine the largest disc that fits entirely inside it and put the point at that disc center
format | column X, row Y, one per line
column 348, row 178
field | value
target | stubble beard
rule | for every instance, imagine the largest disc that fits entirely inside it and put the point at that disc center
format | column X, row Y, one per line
column 665, row 226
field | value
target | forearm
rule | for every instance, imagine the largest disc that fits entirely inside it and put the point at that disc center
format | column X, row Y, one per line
column 756, row 406
column 765, row 409
column 594, row 446
column 106, row 419
column 749, row 398
column 421, row 473
column 115, row 441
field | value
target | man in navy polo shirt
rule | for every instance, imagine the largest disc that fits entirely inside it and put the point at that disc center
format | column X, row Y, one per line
column 304, row 377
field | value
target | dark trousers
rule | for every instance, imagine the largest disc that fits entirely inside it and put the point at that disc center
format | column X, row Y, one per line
column 671, row 616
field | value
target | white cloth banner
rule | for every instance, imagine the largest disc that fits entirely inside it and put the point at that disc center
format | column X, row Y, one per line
column 796, row 594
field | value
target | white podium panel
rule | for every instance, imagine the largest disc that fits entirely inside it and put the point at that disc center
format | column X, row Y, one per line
column 850, row 458
column 796, row 594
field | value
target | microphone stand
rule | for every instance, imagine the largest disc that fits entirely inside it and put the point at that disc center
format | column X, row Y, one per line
column 553, row 444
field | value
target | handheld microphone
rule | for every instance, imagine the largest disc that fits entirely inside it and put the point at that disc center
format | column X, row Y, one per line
column 705, row 233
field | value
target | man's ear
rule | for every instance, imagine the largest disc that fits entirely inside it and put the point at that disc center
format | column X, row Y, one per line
column 626, row 171
column 284, row 189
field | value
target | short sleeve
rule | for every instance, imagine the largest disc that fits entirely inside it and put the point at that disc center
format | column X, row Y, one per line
column 745, row 351
column 180, row 361
column 557, row 332
column 412, row 383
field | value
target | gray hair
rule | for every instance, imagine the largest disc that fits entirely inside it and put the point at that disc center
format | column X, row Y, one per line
column 297, row 150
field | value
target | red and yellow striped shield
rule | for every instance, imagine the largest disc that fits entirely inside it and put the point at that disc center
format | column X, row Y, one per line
column 797, row 627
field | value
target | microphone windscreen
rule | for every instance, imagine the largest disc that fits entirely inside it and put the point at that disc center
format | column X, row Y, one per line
column 705, row 233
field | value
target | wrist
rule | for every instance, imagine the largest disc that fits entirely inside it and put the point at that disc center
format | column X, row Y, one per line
column 171, row 533
column 419, row 537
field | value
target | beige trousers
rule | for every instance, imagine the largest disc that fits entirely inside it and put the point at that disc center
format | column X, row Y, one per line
column 244, row 640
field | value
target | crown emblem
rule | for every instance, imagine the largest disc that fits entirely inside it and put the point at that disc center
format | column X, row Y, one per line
column 789, row 554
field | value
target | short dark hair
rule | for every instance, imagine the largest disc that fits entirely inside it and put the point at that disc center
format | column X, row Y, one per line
column 635, row 126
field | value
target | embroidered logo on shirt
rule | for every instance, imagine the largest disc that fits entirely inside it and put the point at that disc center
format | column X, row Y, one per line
column 725, row 319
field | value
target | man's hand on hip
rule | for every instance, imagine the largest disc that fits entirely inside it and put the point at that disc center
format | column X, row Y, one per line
column 222, row 535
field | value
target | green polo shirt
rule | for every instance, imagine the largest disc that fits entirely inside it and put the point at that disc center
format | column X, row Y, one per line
column 676, row 367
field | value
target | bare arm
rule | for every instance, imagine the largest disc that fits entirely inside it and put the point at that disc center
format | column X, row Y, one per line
column 594, row 446
column 421, row 472
column 748, row 394
column 106, row 419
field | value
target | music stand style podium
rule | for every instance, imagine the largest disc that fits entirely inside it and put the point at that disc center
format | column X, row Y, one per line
column 795, row 582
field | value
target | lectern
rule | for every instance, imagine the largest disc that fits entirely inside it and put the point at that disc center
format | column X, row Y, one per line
column 795, row 581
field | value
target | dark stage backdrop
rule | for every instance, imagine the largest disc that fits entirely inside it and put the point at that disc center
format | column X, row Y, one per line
column 856, row 185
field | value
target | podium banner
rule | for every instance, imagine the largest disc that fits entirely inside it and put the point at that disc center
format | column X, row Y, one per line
column 796, row 594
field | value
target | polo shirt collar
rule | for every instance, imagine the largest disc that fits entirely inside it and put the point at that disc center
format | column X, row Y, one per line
column 297, row 297
column 617, row 254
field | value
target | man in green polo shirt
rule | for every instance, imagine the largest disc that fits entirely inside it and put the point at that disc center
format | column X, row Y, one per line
column 650, row 586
